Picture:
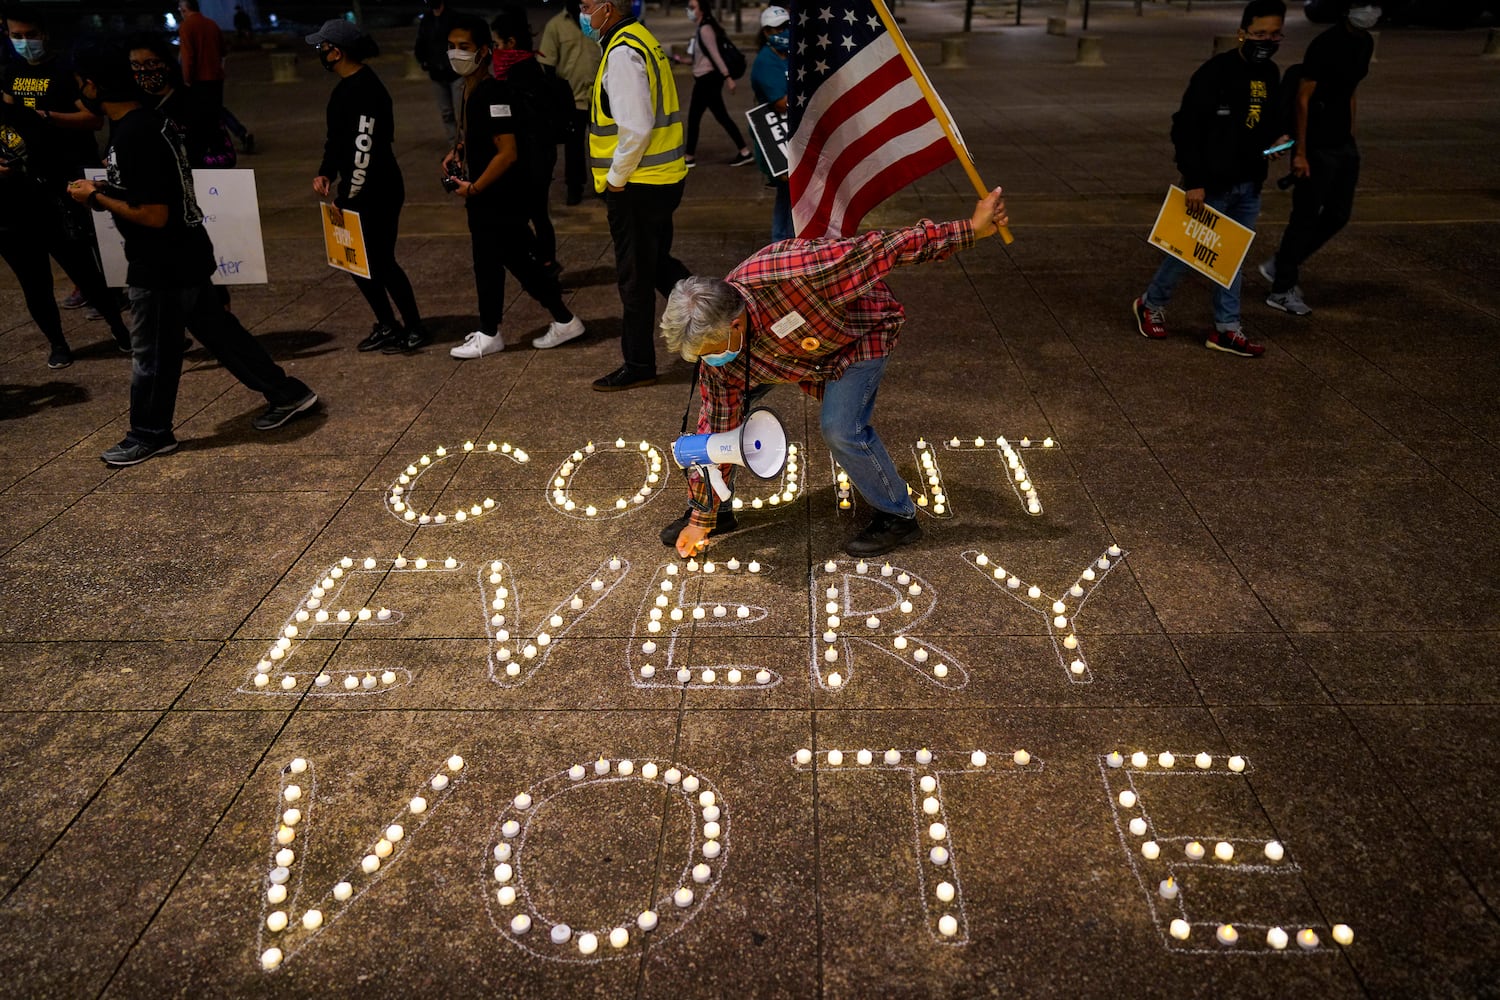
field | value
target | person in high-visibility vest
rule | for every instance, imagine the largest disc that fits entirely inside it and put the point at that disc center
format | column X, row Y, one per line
column 636, row 153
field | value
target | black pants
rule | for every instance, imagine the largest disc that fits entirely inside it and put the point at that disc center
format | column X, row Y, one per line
column 575, row 155
column 708, row 95
column 380, row 223
column 640, row 223
column 536, row 209
column 26, row 251
column 157, row 318
column 500, row 241
column 1321, row 205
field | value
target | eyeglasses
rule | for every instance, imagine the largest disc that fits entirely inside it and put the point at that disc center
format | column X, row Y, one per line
column 1265, row 36
column 147, row 66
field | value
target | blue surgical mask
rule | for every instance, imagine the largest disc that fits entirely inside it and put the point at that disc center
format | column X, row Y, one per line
column 1364, row 17
column 30, row 49
column 781, row 41
column 719, row 360
column 588, row 27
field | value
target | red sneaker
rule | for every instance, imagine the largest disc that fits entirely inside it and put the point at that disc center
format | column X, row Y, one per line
column 1149, row 321
column 1233, row 342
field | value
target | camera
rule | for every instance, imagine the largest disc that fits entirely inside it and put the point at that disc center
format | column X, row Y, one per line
column 454, row 177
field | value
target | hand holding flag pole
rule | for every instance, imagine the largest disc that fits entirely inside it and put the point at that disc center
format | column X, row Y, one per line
column 939, row 111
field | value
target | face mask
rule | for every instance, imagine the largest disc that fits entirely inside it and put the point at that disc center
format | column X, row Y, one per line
column 30, row 49
column 93, row 104
column 589, row 31
column 719, row 360
column 781, row 41
column 463, row 63
column 326, row 62
column 692, row 14
column 1259, row 52
column 1364, row 18
column 152, row 81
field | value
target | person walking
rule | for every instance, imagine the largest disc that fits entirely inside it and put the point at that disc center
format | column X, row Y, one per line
column 768, row 79
column 200, row 44
column 41, row 80
column 160, row 78
column 492, row 151
column 515, row 63
column 1221, row 132
column 358, row 151
column 170, row 260
column 710, row 76
column 31, row 230
column 636, row 154
column 816, row 313
column 576, row 60
column 1326, row 162
column 431, row 50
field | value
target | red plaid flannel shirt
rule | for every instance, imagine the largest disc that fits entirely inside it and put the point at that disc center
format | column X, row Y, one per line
column 847, row 314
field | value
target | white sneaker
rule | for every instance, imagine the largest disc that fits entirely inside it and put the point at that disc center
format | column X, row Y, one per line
column 560, row 333
column 477, row 345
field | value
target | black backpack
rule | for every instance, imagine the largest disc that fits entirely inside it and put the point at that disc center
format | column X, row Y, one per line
column 546, row 101
column 734, row 59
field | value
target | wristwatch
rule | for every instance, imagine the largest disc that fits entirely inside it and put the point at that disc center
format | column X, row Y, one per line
column 93, row 202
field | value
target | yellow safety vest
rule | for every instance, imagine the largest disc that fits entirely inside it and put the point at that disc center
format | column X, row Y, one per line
column 663, row 161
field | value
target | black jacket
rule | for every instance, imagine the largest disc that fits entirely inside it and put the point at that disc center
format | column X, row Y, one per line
column 431, row 49
column 361, row 131
column 1230, row 113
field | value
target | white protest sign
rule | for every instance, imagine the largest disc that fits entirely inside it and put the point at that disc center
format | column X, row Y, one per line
column 231, row 214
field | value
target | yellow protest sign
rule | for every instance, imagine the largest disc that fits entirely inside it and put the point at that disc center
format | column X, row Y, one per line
column 1209, row 242
column 344, row 241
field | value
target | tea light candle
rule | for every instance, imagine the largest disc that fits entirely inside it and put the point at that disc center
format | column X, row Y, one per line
column 1227, row 934
column 1114, row 759
column 927, row 784
column 417, row 806
column 938, row 856
column 1150, row 850
column 1138, row 827
column 1343, row 934
column 1138, row 759
column 1236, row 764
column 931, row 806
column 370, row 865
column 1274, row 850
column 1127, row 799
column 312, row 919
column 945, row 892
column 804, row 756
column 1180, row 929
column 1224, row 850
column 1166, row 759
column 924, row 756
column 1307, row 938
column 1277, row 938
column 1204, row 761
column 683, row 898
column 864, row 757
column 1168, row 888
column 835, row 758
column 979, row 758
column 1194, row 850
column 270, row 958
column 947, row 925
column 276, row 921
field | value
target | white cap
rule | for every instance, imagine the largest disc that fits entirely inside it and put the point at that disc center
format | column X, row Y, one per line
column 774, row 17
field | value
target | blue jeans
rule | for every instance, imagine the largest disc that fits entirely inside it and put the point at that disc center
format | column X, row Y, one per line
column 848, row 404
column 1240, row 203
column 781, row 214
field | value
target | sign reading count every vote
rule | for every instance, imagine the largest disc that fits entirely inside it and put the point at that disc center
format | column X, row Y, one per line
column 231, row 215
column 1208, row 241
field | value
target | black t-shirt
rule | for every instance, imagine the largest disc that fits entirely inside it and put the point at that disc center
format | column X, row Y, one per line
column 1337, row 60
column 146, row 165
column 490, row 111
column 197, row 119
column 361, row 131
column 51, row 87
column 1228, row 118
column 22, row 152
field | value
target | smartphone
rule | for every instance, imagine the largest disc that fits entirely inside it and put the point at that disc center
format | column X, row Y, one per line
column 1279, row 148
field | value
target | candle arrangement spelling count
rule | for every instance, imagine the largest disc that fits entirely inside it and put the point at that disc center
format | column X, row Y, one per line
column 399, row 495
column 561, row 492
column 514, row 658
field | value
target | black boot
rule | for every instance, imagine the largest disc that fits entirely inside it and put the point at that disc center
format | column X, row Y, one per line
column 884, row 533
column 723, row 526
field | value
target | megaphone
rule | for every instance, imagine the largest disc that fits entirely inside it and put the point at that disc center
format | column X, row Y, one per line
column 759, row 444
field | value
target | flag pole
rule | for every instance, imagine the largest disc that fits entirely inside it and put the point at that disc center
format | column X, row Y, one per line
column 938, row 110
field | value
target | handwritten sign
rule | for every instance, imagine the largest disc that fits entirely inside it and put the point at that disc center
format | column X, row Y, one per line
column 1208, row 241
column 771, row 133
column 231, row 215
column 344, row 241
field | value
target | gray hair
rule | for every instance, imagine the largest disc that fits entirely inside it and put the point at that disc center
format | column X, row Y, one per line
column 699, row 310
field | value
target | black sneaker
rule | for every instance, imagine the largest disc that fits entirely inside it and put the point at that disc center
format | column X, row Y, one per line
column 884, row 533
column 413, row 338
column 624, row 378
column 741, row 159
column 249, row 143
column 279, row 414
column 60, row 357
column 129, row 453
column 380, row 335
column 723, row 526
column 574, row 198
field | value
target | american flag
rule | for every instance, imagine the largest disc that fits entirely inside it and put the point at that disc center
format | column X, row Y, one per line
column 861, row 127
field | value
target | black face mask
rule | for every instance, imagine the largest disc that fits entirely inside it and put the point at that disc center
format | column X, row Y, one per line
column 327, row 63
column 152, row 81
column 1259, row 52
column 94, row 105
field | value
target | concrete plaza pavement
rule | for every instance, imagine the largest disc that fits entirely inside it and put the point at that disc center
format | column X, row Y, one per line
column 1287, row 565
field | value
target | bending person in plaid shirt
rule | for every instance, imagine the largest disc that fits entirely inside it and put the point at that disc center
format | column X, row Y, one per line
column 817, row 313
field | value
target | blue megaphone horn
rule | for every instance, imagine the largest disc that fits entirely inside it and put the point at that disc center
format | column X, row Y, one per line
column 759, row 444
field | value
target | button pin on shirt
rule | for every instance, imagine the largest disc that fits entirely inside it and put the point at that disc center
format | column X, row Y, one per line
column 811, row 343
